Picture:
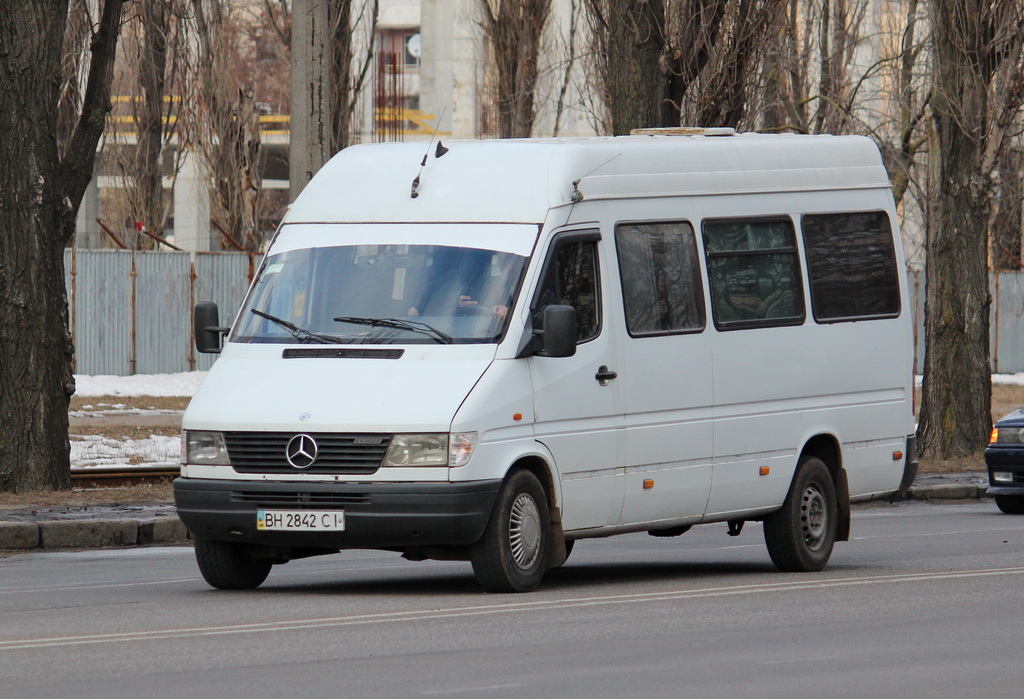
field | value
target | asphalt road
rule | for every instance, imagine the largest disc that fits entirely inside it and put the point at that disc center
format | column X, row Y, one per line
column 925, row 601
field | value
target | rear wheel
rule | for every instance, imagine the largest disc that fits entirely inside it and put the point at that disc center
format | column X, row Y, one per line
column 1011, row 504
column 801, row 534
column 512, row 554
column 227, row 566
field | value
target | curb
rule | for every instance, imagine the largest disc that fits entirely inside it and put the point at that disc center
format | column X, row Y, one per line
column 93, row 533
column 947, row 491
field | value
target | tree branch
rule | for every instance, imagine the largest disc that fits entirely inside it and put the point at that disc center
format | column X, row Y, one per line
column 76, row 166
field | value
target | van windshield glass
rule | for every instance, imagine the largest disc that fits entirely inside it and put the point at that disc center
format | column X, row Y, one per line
column 382, row 294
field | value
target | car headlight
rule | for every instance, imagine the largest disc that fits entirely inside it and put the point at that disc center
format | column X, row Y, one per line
column 1006, row 435
column 430, row 449
column 1002, row 477
column 205, row 448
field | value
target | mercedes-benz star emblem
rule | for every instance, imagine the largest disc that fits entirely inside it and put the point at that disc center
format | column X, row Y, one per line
column 301, row 451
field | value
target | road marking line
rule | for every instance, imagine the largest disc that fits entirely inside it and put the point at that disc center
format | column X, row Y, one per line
column 428, row 614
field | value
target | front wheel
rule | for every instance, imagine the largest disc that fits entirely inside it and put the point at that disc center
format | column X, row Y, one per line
column 512, row 554
column 1010, row 504
column 801, row 534
column 227, row 566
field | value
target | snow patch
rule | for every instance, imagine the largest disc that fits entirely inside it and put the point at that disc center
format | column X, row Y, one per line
column 183, row 384
column 97, row 451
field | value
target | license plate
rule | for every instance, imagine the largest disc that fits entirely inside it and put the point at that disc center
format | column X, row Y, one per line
column 300, row 520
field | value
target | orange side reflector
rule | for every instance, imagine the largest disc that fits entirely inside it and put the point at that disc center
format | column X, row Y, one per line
column 765, row 470
column 517, row 417
column 648, row 483
column 897, row 455
column 995, row 436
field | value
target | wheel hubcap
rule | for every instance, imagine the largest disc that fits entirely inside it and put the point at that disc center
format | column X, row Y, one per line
column 813, row 518
column 524, row 531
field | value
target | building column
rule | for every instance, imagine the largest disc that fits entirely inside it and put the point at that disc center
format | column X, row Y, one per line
column 192, row 204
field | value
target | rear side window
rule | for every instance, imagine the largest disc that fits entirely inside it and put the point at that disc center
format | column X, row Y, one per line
column 754, row 273
column 661, row 288
column 851, row 262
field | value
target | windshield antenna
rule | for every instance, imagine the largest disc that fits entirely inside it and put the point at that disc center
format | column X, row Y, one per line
column 423, row 163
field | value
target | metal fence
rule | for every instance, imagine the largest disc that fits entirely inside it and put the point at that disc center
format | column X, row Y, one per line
column 131, row 312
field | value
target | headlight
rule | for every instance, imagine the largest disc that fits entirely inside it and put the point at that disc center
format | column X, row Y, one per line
column 417, row 450
column 1006, row 435
column 432, row 449
column 1002, row 477
column 205, row 448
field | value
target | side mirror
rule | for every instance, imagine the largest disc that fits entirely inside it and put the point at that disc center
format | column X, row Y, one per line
column 206, row 325
column 559, row 334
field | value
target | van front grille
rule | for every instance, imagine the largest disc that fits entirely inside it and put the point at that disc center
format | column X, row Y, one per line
column 337, row 453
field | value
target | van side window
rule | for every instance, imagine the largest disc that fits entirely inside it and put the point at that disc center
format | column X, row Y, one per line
column 571, row 279
column 661, row 287
column 754, row 273
column 851, row 262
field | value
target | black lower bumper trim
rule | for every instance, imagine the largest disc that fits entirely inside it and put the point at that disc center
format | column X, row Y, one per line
column 377, row 515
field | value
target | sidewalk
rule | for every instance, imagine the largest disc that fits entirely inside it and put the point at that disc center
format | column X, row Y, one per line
column 48, row 528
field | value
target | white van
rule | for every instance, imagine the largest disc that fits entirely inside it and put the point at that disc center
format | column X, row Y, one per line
column 496, row 349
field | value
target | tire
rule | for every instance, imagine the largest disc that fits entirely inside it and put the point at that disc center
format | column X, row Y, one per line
column 1010, row 504
column 800, row 535
column 512, row 554
column 227, row 566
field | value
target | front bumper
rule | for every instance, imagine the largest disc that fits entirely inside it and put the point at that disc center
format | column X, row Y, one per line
column 377, row 515
column 1005, row 459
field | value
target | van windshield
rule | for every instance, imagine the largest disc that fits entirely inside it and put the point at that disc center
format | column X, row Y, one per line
column 382, row 294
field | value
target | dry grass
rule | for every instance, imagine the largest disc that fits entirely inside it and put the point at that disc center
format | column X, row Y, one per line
column 115, row 430
column 105, row 403
column 156, row 494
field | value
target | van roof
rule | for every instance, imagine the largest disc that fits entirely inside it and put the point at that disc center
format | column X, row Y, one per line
column 520, row 180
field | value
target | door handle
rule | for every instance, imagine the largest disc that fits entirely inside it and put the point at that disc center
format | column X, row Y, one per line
column 604, row 375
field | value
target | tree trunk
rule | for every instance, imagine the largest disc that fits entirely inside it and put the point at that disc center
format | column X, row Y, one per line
column 35, row 378
column 149, row 115
column 629, row 37
column 39, row 195
column 955, row 418
column 1006, row 223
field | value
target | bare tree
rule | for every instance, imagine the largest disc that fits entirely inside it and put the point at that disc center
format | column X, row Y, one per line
column 41, row 189
column 227, row 119
column 150, row 85
column 712, row 79
column 978, row 91
column 350, row 63
column 628, row 43
column 514, row 30
column 664, row 62
column 1006, row 220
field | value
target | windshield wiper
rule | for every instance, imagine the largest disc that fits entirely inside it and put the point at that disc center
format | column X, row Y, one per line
column 412, row 325
column 300, row 334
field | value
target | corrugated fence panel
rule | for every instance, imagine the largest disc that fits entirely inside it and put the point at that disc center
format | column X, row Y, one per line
column 222, row 278
column 103, row 311
column 162, row 281
column 1008, row 302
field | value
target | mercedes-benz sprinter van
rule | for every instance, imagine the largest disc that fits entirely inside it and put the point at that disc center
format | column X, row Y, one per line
column 496, row 349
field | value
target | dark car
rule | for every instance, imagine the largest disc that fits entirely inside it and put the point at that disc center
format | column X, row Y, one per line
column 1005, row 460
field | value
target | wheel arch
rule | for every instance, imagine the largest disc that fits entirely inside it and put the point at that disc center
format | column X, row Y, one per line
column 546, row 475
column 826, row 448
